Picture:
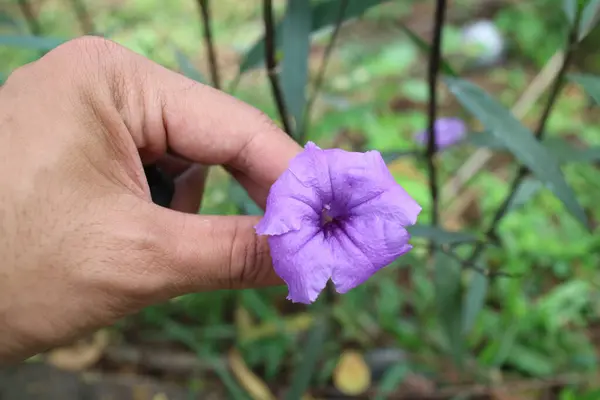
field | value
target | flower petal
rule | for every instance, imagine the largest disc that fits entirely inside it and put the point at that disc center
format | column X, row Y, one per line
column 298, row 195
column 371, row 243
column 362, row 184
column 305, row 259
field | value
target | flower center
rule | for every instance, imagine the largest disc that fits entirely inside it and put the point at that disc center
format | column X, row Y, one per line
column 325, row 217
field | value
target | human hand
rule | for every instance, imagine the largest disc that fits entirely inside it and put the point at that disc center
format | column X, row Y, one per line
column 82, row 243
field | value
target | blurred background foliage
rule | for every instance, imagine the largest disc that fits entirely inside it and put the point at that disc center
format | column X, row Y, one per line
column 529, row 329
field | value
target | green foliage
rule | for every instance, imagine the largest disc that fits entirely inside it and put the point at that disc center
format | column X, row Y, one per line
column 518, row 139
column 296, row 32
column 533, row 322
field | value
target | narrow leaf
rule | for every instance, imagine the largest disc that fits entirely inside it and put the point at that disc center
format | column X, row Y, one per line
column 187, row 67
column 426, row 48
column 560, row 148
column 589, row 18
column 391, row 380
column 570, row 10
column 519, row 140
column 294, row 66
column 590, row 83
column 323, row 14
column 310, row 357
column 44, row 43
column 391, row 156
column 447, row 282
column 7, row 20
column 243, row 201
column 526, row 190
column 439, row 235
column 474, row 300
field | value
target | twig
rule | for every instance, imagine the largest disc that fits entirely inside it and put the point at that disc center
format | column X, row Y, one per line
column 32, row 22
column 539, row 134
column 83, row 16
column 435, row 59
column 322, row 70
column 208, row 41
column 472, row 266
column 271, row 64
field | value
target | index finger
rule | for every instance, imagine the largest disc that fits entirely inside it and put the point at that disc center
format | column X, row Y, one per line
column 164, row 110
column 208, row 126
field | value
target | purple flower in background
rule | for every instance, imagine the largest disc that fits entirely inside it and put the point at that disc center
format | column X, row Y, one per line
column 448, row 131
column 335, row 215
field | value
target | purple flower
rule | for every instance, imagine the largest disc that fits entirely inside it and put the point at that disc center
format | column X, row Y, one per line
column 335, row 215
column 448, row 131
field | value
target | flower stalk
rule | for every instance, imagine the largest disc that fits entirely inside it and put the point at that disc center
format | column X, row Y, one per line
column 435, row 59
column 321, row 73
column 271, row 64
column 204, row 7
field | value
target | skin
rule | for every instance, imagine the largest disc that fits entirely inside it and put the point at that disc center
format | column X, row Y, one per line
column 82, row 243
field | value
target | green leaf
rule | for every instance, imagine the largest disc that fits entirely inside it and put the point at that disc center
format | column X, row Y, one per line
column 589, row 18
column 323, row 14
column 187, row 67
column 570, row 10
column 186, row 337
column 559, row 147
column 426, row 48
column 485, row 139
column 448, row 291
column 7, row 20
column 590, row 83
column 310, row 357
column 391, row 156
column 244, row 203
column 294, row 66
column 43, row 43
column 526, row 190
column 391, row 380
column 439, row 235
column 519, row 140
column 474, row 300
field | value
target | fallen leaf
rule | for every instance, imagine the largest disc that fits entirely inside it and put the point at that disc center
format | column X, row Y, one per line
column 352, row 376
column 255, row 386
column 81, row 354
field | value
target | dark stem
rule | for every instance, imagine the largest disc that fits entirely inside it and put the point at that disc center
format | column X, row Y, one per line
column 271, row 64
column 32, row 22
column 208, row 40
column 435, row 59
column 83, row 16
column 539, row 134
column 322, row 69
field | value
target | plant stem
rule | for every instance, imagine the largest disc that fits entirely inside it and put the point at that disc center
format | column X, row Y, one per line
column 321, row 73
column 83, row 16
column 435, row 59
column 271, row 64
column 208, row 41
column 539, row 135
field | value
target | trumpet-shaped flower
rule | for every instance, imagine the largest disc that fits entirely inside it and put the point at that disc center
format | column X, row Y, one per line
column 336, row 215
column 448, row 131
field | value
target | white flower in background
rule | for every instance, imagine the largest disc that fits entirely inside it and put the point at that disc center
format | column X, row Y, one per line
column 484, row 42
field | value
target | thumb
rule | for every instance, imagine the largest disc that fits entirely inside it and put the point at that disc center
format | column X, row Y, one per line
column 207, row 252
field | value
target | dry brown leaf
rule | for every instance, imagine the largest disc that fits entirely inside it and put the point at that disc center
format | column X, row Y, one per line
column 255, row 386
column 81, row 354
column 405, row 168
column 352, row 375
